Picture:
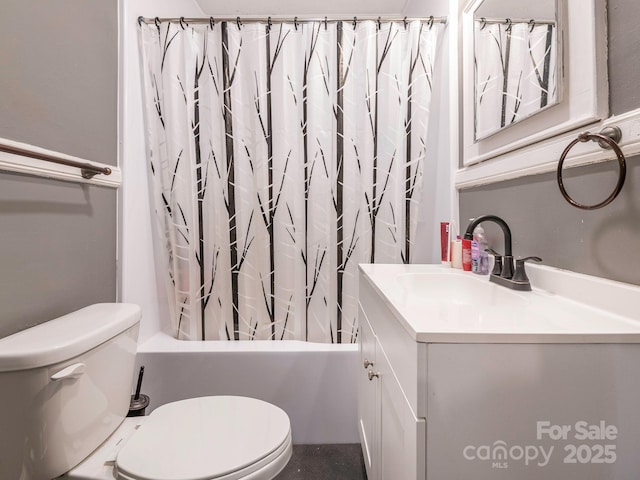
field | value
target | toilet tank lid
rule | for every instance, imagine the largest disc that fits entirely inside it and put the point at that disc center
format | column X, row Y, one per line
column 66, row 337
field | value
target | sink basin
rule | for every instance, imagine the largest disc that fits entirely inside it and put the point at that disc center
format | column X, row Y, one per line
column 443, row 305
column 455, row 289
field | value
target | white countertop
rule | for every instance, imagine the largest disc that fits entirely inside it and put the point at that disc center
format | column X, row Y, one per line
column 564, row 307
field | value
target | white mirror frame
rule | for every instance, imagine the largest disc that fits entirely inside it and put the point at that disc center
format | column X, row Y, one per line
column 520, row 149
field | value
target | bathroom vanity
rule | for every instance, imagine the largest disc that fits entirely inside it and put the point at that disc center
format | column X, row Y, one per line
column 463, row 378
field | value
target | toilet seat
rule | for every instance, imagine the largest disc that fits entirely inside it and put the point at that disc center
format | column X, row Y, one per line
column 208, row 438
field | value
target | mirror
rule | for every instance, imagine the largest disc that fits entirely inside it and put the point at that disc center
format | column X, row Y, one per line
column 576, row 92
column 515, row 62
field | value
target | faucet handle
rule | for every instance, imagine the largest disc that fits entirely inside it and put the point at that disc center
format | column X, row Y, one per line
column 497, row 262
column 520, row 275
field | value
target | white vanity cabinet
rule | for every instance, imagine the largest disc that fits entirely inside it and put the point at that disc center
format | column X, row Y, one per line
column 368, row 398
column 462, row 379
column 392, row 436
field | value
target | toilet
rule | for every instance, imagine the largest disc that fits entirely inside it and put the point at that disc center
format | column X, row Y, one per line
column 66, row 389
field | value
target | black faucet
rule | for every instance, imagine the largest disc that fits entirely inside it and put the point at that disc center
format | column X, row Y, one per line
column 507, row 259
column 503, row 273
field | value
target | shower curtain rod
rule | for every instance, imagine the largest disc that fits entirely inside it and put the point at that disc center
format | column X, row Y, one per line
column 295, row 20
column 530, row 21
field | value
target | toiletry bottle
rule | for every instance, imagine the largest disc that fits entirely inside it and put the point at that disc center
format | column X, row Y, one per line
column 466, row 255
column 478, row 238
column 456, row 253
column 475, row 253
column 483, row 245
column 445, row 238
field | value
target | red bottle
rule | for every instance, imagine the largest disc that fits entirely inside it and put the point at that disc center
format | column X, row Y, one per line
column 466, row 255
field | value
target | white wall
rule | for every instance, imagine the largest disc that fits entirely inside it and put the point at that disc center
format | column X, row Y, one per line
column 136, row 261
column 439, row 195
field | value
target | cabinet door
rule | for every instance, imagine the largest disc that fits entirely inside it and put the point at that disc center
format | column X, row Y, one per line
column 402, row 435
column 368, row 406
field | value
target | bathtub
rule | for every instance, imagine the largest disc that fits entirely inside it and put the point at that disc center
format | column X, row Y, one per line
column 314, row 383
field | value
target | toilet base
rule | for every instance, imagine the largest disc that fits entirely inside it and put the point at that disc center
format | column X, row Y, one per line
column 100, row 464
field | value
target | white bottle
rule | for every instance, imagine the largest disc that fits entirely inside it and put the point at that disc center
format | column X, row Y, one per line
column 456, row 253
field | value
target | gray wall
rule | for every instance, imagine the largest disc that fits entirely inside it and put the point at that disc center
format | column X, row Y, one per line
column 58, row 84
column 58, row 75
column 602, row 242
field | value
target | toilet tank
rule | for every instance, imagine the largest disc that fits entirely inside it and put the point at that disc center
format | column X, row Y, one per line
column 64, row 388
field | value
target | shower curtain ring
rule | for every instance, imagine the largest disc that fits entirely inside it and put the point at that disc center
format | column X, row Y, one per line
column 483, row 23
column 509, row 24
column 325, row 23
column 157, row 22
column 355, row 22
column 532, row 24
column 431, row 20
column 269, row 24
column 379, row 23
column 211, row 22
column 295, row 23
column 140, row 20
column 405, row 22
column 183, row 24
column 238, row 22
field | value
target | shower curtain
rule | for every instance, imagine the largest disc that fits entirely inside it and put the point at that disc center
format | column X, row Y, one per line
column 281, row 156
column 515, row 68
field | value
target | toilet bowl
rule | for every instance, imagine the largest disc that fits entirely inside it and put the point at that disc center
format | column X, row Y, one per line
column 67, row 385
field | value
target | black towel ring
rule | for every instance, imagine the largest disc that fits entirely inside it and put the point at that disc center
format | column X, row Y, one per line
column 602, row 140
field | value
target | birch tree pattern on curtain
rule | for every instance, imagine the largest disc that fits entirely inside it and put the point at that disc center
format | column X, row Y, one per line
column 515, row 70
column 281, row 156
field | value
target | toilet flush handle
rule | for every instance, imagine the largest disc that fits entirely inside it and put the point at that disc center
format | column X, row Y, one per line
column 72, row 371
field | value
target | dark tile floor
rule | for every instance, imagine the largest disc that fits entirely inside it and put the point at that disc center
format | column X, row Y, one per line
column 325, row 462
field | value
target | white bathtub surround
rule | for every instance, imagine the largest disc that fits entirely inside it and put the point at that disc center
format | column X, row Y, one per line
column 314, row 383
column 281, row 157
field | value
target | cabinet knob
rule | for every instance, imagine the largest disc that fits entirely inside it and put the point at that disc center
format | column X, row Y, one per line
column 367, row 364
column 373, row 375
